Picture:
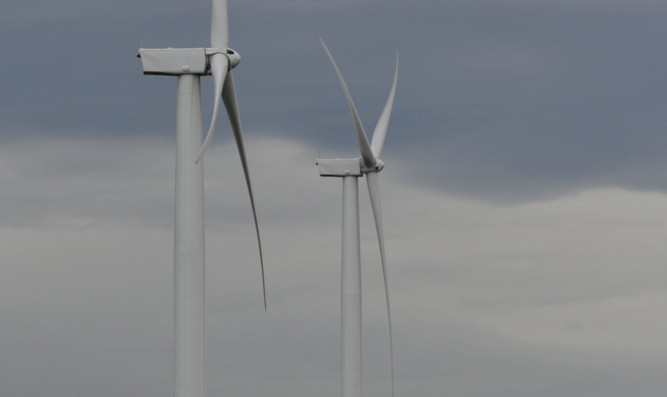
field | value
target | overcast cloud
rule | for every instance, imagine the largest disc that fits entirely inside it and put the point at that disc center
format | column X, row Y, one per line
column 524, row 197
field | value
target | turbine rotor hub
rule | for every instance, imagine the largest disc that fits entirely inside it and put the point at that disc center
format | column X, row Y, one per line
column 379, row 166
column 233, row 56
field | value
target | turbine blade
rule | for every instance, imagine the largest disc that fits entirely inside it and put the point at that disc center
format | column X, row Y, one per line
column 229, row 98
column 364, row 146
column 383, row 122
column 374, row 192
column 219, row 26
column 219, row 67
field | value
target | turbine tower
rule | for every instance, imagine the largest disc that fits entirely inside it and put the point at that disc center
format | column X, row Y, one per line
column 188, row 65
column 350, row 170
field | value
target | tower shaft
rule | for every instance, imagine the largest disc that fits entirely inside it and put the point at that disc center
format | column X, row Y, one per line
column 189, row 318
column 350, row 291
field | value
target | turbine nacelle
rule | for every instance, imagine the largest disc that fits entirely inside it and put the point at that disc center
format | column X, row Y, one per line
column 346, row 167
column 233, row 56
column 178, row 61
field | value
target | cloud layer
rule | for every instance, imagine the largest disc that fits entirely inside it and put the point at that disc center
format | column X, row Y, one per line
column 557, row 296
column 523, row 198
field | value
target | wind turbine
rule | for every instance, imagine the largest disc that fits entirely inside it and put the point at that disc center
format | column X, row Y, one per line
column 188, row 65
column 350, row 170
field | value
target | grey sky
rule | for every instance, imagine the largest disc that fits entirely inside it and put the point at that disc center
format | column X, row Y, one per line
column 524, row 197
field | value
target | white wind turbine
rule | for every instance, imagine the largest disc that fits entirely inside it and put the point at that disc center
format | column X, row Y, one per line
column 350, row 170
column 189, row 64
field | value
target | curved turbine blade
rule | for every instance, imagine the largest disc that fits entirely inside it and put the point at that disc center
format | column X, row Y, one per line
column 229, row 98
column 364, row 146
column 219, row 67
column 219, row 26
column 374, row 192
column 383, row 122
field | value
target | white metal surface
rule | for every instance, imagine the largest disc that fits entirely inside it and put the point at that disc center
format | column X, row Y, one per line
column 219, row 65
column 339, row 167
column 222, row 60
column 380, row 132
column 219, row 25
column 173, row 61
column 373, row 182
column 364, row 146
column 350, row 291
column 189, row 313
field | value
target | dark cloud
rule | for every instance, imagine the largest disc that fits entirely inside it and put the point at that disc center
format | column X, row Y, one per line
column 529, row 101
column 508, row 101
